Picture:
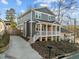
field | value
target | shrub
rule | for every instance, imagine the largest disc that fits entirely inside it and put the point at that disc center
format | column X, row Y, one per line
column 4, row 41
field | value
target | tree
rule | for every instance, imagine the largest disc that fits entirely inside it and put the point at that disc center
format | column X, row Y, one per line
column 10, row 16
column 65, row 8
column 13, row 25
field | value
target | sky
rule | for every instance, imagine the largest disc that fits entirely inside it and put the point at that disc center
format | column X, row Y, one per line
column 21, row 6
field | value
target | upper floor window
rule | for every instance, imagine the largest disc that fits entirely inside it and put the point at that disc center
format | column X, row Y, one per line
column 37, row 15
column 58, row 28
column 49, row 17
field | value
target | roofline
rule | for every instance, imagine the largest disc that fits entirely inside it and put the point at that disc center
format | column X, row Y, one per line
column 24, row 13
column 45, row 7
column 34, row 10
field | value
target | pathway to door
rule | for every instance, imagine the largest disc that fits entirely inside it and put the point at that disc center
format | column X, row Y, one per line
column 20, row 49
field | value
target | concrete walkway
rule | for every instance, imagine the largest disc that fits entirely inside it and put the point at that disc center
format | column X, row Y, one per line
column 20, row 49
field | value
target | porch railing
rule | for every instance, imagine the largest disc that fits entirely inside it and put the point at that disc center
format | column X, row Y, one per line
column 49, row 33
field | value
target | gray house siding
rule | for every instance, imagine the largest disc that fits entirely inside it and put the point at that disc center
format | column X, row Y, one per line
column 27, row 18
column 33, row 15
column 53, row 18
column 24, row 18
column 43, row 17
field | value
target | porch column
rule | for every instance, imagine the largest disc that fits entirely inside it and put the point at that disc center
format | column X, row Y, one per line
column 60, row 33
column 56, row 32
column 40, row 32
column 46, row 31
column 25, row 28
column 60, row 30
column 51, row 32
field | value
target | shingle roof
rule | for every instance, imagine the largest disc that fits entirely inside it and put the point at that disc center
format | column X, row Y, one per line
column 45, row 10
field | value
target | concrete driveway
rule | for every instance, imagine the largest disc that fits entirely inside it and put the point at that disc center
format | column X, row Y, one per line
column 20, row 49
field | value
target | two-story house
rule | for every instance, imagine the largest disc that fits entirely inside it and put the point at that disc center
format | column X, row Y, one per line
column 39, row 25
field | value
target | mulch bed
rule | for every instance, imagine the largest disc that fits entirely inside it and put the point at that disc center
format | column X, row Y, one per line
column 59, row 48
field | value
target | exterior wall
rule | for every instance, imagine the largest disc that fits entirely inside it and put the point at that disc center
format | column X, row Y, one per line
column 33, row 15
column 21, row 24
column 24, row 18
column 44, row 16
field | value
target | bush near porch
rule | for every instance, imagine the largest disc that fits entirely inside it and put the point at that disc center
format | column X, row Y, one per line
column 4, row 41
column 59, row 48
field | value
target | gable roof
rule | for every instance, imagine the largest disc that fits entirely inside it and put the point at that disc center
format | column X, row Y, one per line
column 45, row 10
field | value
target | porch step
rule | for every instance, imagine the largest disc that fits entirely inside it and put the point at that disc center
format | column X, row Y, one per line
column 34, row 39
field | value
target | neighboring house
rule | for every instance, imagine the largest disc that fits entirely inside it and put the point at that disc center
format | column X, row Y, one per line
column 39, row 25
column 77, row 36
column 2, row 28
column 67, row 35
column 8, row 26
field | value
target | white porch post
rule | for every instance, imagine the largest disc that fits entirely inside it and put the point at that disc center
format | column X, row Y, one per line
column 25, row 28
column 40, row 32
column 56, row 32
column 31, row 27
column 59, row 33
column 51, row 33
column 46, row 31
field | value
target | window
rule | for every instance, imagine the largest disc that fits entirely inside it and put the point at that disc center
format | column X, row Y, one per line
column 49, row 17
column 58, row 28
column 37, row 27
column 37, row 15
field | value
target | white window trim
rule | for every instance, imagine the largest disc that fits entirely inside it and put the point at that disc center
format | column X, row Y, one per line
column 50, row 17
column 42, row 13
column 38, row 14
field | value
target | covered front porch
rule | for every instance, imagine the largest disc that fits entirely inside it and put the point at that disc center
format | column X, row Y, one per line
column 48, row 31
